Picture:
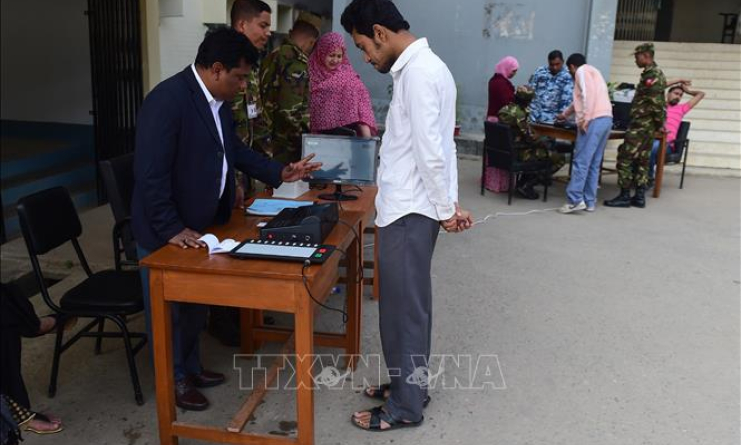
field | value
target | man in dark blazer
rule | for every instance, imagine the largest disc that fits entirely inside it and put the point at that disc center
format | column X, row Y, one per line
column 186, row 148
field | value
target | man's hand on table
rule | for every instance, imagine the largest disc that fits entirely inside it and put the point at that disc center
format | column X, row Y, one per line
column 302, row 169
column 187, row 238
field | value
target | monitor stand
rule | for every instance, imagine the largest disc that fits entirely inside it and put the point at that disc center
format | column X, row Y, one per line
column 337, row 195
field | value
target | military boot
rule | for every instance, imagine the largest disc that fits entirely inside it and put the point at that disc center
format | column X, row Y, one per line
column 621, row 200
column 639, row 200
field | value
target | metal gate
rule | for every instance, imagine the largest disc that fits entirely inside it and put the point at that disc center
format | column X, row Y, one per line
column 116, row 68
column 636, row 19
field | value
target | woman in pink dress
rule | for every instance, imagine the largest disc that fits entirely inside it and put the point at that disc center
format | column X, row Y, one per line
column 501, row 93
column 501, row 90
column 338, row 97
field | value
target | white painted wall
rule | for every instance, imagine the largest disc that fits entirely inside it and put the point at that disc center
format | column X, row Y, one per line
column 180, row 37
column 45, row 53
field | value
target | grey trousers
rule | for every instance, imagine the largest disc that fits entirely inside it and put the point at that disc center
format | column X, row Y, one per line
column 405, row 309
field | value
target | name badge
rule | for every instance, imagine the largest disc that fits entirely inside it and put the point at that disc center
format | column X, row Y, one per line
column 251, row 110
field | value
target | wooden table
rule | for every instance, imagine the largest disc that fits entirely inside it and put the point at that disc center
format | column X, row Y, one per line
column 568, row 134
column 254, row 331
column 192, row 276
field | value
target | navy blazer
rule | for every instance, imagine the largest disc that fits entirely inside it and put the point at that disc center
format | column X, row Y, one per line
column 178, row 163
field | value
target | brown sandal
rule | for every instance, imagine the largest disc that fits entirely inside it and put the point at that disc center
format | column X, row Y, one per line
column 378, row 415
column 379, row 393
column 44, row 418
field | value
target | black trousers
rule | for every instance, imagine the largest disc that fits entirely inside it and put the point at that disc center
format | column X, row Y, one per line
column 17, row 319
column 405, row 310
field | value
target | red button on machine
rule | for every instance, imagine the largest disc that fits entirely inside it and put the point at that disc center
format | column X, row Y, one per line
column 322, row 250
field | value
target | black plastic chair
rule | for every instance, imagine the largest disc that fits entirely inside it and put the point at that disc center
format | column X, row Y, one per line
column 681, row 147
column 48, row 219
column 118, row 179
column 500, row 152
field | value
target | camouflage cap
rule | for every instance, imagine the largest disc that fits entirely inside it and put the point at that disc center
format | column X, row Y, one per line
column 644, row 48
column 312, row 19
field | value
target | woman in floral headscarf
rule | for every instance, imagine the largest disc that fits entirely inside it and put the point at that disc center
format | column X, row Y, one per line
column 338, row 97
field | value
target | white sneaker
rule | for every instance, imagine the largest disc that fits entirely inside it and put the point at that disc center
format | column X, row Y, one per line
column 568, row 207
column 590, row 209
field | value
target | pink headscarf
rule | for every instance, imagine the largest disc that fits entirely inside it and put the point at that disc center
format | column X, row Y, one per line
column 338, row 97
column 507, row 66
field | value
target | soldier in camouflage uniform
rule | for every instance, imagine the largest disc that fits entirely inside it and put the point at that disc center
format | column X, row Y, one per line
column 647, row 116
column 529, row 148
column 251, row 18
column 284, row 87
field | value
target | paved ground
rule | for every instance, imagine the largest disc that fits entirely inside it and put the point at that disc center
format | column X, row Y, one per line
column 616, row 327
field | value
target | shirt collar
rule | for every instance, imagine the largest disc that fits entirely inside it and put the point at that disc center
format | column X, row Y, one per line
column 650, row 66
column 209, row 97
column 547, row 71
column 406, row 55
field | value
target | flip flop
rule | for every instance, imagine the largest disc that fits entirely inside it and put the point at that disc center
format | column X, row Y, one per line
column 379, row 393
column 44, row 418
column 378, row 415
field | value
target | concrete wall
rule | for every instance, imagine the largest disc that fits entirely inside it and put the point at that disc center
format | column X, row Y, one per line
column 601, row 34
column 45, row 61
column 698, row 21
column 472, row 36
column 179, row 38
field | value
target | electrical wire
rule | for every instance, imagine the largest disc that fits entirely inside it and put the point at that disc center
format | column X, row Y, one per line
column 307, row 263
column 498, row 214
column 501, row 214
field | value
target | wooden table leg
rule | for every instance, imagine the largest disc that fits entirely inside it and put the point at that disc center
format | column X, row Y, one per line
column 163, row 362
column 258, row 321
column 354, row 293
column 246, row 327
column 660, row 166
column 304, row 320
column 376, row 281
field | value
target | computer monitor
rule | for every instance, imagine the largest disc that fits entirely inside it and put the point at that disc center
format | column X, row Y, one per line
column 346, row 161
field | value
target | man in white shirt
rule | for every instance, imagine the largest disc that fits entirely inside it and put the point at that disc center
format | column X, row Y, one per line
column 417, row 193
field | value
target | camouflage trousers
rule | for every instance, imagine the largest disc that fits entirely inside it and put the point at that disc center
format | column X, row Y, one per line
column 633, row 158
column 286, row 150
column 540, row 152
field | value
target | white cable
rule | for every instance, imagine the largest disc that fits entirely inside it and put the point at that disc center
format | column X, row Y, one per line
column 498, row 214
column 493, row 216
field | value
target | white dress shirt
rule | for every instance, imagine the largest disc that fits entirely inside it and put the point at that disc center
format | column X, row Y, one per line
column 215, row 105
column 418, row 170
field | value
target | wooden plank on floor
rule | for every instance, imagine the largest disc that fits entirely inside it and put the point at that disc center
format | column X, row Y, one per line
column 260, row 389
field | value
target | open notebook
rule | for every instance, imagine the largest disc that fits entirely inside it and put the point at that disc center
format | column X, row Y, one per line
column 214, row 246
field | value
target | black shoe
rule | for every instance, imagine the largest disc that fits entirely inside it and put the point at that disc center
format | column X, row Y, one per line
column 639, row 200
column 527, row 192
column 621, row 200
column 188, row 397
column 207, row 379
